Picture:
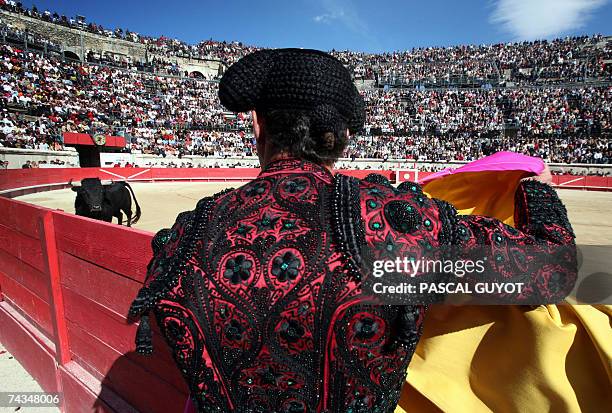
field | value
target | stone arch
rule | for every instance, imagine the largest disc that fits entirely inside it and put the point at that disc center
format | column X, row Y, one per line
column 71, row 55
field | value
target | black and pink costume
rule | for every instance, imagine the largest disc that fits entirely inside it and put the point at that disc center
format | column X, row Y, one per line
column 258, row 291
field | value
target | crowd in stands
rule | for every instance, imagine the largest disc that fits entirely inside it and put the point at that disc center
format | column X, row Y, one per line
column 560, row 60
column 154, row 65
column 227, row 52
column 216, row 144
column 540, row 112
column 43, row 95
column 569, row 59
column 74, row 23
column 17, row 36
column 439, row 149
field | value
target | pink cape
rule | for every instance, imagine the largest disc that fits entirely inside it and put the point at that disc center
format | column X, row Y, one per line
column 484, row 187
column 500, row 161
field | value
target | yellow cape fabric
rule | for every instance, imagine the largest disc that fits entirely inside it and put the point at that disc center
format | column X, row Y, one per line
column 507, row 358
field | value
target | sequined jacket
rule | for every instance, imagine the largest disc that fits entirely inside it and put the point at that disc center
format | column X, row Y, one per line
column 258, row 291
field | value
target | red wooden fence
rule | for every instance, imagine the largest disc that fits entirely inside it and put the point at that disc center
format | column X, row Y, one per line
column 66, row 285
column 591, row 183
column 45, row 178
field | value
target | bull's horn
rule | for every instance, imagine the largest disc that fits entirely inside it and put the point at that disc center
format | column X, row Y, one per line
column 107, row 182
column 77, row 183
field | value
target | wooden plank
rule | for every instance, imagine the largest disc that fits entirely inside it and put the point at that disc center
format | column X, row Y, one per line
column 79, row 398
column 105, row 325
column 97, row 357
column 28, row 303
column 24, row 274
column 161, row 364
column 56, row 303
column 98, row 284
column 117, row 248
column 125, row 380
column 83, row 393
column 136, row 385
column 101, row 322
column 90, row 353
column 24, row 341
column 24, row 247
column 571, row 179
column 20, row 216
column 127, row 388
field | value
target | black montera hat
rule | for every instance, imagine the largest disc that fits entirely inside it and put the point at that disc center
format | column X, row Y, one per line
column 294, row 79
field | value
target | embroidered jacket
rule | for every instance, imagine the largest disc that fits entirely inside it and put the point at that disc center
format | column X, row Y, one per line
column 259, row 290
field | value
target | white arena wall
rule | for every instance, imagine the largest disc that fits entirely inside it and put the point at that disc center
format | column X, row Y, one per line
column 17, row 157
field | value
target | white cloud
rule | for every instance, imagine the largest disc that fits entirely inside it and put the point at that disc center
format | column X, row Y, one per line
column 537, row 19
column 345, row 13
column 329, row 17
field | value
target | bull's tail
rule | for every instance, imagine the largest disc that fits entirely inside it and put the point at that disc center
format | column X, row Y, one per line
column 136, row 215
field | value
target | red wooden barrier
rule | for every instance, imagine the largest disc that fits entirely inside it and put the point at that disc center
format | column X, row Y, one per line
column 33, row 350
column 25, row 178
column 26, row 320
column 22, row 269
column 20, row 178
column 67, row 285
column 596, row 181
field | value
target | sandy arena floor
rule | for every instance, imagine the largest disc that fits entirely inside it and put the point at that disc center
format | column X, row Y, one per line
column 161, row 202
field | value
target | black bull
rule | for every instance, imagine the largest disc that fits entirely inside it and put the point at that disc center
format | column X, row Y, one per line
column 104, row 202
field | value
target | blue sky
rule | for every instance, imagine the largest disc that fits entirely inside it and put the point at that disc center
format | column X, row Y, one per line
column 362, row 25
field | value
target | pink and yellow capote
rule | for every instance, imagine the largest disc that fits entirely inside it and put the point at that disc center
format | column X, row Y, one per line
column 506, row 358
